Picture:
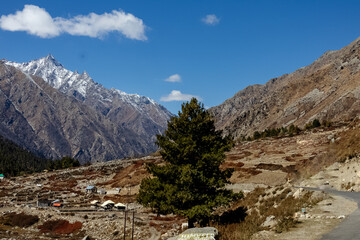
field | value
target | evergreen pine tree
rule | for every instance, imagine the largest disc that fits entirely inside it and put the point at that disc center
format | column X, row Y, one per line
column 191, row 182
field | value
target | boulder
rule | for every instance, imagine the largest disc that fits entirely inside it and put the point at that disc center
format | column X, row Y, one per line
column 269, row 222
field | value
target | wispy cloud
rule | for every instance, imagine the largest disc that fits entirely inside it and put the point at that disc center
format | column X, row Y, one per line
column 37, row 21
column 176, row 95
column 210, row 19
column 174, row 78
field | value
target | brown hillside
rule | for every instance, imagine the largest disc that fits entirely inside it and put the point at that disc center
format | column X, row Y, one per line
column 328, row 89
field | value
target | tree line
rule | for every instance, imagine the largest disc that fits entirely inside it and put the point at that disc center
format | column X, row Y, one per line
column 15, row 160
column 284, row 131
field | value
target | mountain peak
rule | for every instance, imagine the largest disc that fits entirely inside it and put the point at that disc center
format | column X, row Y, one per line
column 85, row 74
column 51, row 59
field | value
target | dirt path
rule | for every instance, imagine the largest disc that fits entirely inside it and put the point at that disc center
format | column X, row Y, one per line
column 322, row 219
column 349, row 228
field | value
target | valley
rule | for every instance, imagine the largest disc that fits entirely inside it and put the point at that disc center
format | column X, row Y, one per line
column 276, row 165
column 264, row 146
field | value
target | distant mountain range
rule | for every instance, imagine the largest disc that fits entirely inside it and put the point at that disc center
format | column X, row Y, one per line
column 55, row 112
column 328, row 89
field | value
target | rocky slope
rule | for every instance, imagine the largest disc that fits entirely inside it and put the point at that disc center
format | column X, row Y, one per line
column 70, row 114
column 138, row 113
column 328, row 89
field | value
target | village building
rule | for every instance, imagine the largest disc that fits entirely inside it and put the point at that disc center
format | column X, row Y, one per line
column 91, row 189
column 56, row 203
column 120, row 206
column 102, row 191
column 43, row 203
column 108, row 204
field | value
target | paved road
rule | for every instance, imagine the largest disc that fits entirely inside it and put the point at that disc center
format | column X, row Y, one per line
column 349, row 229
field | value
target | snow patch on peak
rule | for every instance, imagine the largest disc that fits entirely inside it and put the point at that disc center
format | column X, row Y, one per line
column 55, row 74
column 136, row 100
column 70, row 82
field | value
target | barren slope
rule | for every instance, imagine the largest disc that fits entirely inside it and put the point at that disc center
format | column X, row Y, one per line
column 328, row 89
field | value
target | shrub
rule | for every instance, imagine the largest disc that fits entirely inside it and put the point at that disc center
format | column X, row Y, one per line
column 20, row 220
column 59, row 227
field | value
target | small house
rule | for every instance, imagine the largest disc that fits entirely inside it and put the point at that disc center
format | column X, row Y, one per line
column 108, row 204
column 2, row 176
column 120, row 206
column 43, row 203
column 91, row 189
column 102, row 191
column 95, row 202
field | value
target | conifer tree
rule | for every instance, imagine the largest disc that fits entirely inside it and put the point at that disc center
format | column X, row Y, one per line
column 191, row 183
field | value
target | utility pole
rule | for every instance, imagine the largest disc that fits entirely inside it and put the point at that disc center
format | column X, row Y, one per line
column 125, row 224
column 132, row 233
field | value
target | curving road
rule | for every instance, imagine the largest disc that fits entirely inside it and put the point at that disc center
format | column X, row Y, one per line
column 349, row 229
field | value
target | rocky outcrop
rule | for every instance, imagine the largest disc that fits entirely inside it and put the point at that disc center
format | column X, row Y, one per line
column 328, row 89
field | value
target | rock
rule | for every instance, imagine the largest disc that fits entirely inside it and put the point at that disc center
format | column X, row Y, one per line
column 341, row 217
column 298, row 192
column 184, row 226
column 316, row 195
column 269, row 222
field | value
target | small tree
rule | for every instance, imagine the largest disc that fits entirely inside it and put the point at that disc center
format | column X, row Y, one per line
column 191, row 182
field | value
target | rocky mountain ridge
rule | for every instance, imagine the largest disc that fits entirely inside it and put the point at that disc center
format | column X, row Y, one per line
column 138, row 113
column 55, row 112
column 328, row 89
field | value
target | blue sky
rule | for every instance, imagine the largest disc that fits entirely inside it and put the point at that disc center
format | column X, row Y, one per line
column 210, row 49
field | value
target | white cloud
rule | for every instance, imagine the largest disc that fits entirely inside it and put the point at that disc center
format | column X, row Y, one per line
column 210, row 19
column 174, row 78
column 176, row 95
column 31, row 19
column 37, row 21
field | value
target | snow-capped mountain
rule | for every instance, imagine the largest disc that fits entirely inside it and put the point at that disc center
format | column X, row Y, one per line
column 134, row 113
column 84, row 88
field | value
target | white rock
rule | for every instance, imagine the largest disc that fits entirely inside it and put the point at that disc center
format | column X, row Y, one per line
column 269, row 222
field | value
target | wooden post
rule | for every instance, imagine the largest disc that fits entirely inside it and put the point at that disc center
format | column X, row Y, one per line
column 125, row 224
column 132, row 233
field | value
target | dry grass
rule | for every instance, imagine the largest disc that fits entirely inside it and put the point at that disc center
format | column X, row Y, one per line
column 262, row 203
column 235, row 165
column 349, row 144
column 121, row 198
column 238, row 156
column 311, row 166
column 249, row 171
column 129, row 176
